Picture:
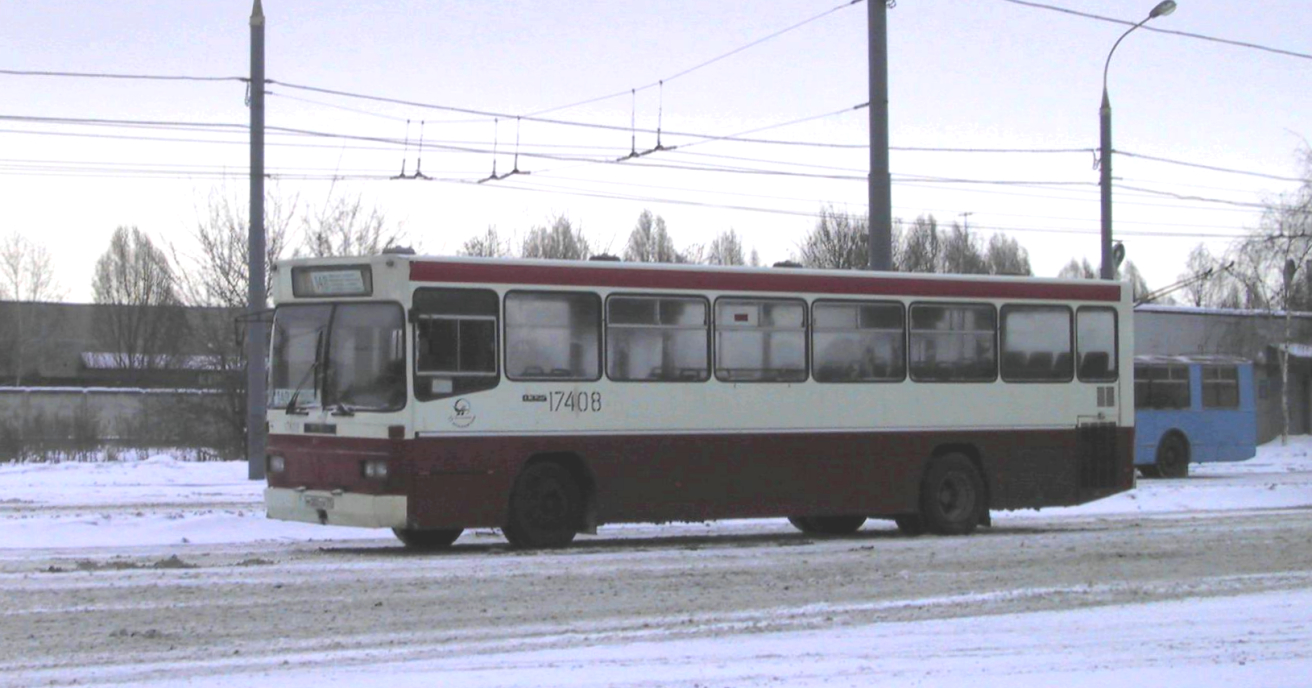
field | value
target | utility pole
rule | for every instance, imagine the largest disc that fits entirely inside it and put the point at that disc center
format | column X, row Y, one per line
column 880, row 218
column 965, row 219
column 255, row 335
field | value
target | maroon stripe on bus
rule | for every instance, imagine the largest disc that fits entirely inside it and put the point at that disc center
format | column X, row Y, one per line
column 850, row 282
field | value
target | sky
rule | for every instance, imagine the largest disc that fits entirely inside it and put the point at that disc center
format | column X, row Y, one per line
column 983, row 74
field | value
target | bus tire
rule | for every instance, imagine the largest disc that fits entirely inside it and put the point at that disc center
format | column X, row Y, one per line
column 546, row 507
column 827, row 525
column 1172, row 457
column 952, row 497
column 427, row 539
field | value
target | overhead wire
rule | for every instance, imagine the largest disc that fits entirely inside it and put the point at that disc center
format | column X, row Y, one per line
column 1148, row 27
column 107, row 75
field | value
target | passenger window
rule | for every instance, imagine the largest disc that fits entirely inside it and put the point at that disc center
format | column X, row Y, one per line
column 1095, row 336
column 1036, row 344
column 953, row 343
column 665, row 339
column 1220, row 386
column 856, row 341
column 455, row 342
column 1162, row 387
column 760, row 340
column 553, row 336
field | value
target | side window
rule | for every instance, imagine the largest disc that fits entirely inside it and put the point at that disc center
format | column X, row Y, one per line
column 661, row 338
column 953, row 342
column 1095, row 336
column 855, row 341
column 1036, row 344
column 553, row 336
column 1220, row 386
column 760, row 340
column 1161, row 386
column 455, row 342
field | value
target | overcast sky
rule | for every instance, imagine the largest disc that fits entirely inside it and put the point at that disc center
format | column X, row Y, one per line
column 970, row 74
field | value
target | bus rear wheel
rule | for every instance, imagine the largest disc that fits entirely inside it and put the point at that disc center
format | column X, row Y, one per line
column 952, row 497
column 827, row 525
column 546, row 507
column 427, row 539
column 1172, row 458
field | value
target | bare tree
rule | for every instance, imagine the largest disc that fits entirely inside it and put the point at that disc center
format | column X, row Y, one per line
column 560, row 241
column 216, row 274
column 141, row 323
column 726, row 249
column 837, row 242
column 1272, row 264
column 1202, row 281
column 345, row 227
column 962, row 253
column 487, row 245
column 650, row 242
column 1005, row 256
column 1138, row 285
column 26, row 277
column 922, row 250
column 1078, row 268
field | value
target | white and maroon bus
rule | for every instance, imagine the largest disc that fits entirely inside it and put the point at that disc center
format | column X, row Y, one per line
column 430, row 395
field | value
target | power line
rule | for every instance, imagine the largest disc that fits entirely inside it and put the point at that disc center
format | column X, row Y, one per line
column 699, row 65
column 103, row 75
column 1213, row 168
column 1146, row 27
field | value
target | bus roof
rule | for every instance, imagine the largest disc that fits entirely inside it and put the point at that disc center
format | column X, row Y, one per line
column 622, row 275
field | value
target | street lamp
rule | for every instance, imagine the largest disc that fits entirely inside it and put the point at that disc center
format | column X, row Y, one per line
column 1108, row 270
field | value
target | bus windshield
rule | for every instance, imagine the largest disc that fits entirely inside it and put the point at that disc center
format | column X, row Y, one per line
column 345, row 357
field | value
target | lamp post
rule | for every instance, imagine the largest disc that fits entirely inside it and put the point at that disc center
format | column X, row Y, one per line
column 1108, row 270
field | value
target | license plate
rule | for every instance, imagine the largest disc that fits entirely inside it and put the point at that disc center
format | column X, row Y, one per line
column 318, row 502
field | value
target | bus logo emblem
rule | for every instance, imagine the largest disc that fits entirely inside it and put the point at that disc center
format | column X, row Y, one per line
column 463, row 413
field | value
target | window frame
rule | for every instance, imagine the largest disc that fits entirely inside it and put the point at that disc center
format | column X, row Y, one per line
column 708, row 328
column 1221, row 382
column 1116, row 344
column 811, row 348
column 1002, row 329
column 911, row 333
column 419, row 313
column 601, row 330
column 805, row 329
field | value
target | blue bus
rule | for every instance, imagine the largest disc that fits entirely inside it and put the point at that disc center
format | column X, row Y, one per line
column 1192, row 409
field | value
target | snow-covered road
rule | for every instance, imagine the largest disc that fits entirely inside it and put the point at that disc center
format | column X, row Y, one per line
column 161, row 572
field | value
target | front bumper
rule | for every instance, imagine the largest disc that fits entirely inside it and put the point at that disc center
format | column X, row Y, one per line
column 343, row 509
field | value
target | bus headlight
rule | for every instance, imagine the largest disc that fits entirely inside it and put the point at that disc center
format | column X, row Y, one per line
column 277, row 464
column 375, row 469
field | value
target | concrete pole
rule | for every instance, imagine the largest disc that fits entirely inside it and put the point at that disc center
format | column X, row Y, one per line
column 881, row 203
column 255, row 326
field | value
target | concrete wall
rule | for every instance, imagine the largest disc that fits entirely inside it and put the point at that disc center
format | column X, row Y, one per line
column 72, row 421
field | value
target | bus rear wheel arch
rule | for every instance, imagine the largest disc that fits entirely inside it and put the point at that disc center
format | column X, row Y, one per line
column 1172, row 458
column 547, row 507
column 953, row 498
column 827, row 525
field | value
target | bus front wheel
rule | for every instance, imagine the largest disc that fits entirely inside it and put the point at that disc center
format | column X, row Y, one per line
column 427, row 539
column 546, row 507
column 1172, row 458
column 952, row 498
column 827, row 525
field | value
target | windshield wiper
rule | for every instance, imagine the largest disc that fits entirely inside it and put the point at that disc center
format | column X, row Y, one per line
column 342, row 409
column 292, row 408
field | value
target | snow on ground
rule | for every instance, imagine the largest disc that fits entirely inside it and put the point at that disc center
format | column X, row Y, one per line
column 163, row 501
column 1247, row 640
